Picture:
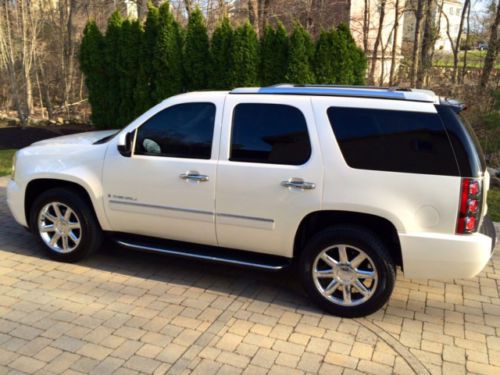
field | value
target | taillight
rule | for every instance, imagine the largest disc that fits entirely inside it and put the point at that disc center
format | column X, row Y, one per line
column 470, row 206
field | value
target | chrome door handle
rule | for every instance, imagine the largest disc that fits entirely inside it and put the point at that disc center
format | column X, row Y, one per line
column 298, row 183
column 193, row 176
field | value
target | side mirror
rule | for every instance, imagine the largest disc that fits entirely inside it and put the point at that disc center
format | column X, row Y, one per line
column 125, row 143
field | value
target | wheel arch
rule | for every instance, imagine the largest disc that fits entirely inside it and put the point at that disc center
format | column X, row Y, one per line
column 316, row 221
column 37, row 186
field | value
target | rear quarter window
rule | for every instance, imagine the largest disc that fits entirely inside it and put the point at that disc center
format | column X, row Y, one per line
column 395, row 141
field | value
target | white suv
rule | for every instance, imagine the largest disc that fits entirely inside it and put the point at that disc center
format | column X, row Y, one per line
column 344, row 183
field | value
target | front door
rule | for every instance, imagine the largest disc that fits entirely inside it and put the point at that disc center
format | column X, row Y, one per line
column 269, row 175
column 166, row 188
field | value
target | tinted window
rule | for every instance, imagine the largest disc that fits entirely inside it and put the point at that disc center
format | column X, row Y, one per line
column 182, row 131
column 269, row 133
column 398, row 141
column 467, row 149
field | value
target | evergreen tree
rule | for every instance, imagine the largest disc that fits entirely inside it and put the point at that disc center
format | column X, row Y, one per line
column 112, row 60
column 145, row 87
column 92, row 65
column 300, row 56
column 357, row 56
column 167, row 59
column 245, row 57
column 131, row 37
column 196, row 52
column 221, row 47
column 342, row 58
column 324, row 58
column 274, row 55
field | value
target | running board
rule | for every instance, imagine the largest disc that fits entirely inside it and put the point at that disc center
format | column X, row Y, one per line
column 205, row 253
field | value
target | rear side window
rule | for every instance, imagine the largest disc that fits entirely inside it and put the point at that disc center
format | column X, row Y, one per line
column 395, row 141
column 269, row 133
column 181, row 131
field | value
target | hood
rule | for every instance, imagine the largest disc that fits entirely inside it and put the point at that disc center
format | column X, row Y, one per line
column 77, row 139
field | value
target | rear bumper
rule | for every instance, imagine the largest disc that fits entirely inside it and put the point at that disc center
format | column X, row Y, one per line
column 15, row 201
column 443, row 256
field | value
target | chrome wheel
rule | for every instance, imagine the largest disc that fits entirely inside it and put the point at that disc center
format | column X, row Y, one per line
column 345, row 275
column 59, row 227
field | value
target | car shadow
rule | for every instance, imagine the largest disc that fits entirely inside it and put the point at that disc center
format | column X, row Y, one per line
column 279, row 288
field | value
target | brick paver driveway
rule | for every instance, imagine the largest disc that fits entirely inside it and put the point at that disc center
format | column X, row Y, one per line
column 122, row 312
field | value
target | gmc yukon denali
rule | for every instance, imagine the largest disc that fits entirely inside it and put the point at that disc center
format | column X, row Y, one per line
column 345, row 184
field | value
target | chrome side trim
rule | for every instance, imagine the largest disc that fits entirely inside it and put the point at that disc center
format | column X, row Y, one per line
column 247, row 218
column 177, row 209
column 201, row 256
column 189, row 210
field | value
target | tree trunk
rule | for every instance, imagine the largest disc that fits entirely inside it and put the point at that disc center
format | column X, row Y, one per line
column 253, row 14
column 491, row 55
column 366, row 24
column 377, row 42
column 467, row 40
column 427, row 44
column 416, row 40
column 456, row 50
column 394, row 43
column 264, row 14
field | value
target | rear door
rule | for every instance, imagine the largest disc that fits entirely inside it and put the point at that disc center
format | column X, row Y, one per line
column 269, row 175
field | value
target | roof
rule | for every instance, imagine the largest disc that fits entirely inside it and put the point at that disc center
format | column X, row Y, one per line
column 339, row 90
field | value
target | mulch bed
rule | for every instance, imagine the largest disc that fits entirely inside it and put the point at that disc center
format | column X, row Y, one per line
column 16, row 137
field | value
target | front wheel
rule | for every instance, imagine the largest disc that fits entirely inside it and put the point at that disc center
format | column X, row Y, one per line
column 65, row 225
column 347, row 271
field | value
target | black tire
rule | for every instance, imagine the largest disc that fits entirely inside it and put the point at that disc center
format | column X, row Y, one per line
column 371, row 245
column 91, row 235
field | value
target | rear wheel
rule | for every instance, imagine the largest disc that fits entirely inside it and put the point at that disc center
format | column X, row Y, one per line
column 65, row 225
column 347, row 271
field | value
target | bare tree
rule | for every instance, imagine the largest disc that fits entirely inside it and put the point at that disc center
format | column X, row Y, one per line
column 394, row 42
column 428, row 42
column 378, row 40
column 253, row 14
column 466, row 50
column 491, row 55
column 366, row 24
column 419, row 15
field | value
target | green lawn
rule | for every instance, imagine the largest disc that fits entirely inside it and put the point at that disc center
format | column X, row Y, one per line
column 494, row 204
column 475, row 59
column 6, row 161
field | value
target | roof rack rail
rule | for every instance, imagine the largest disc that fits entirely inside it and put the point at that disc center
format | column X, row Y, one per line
column 321, row 85
column 371, row 92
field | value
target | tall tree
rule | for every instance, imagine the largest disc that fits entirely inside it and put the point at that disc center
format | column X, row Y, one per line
column 419, row 15
column 245, row 57
column 456, row 48
column 145, row 87
column 428, row 41
column 325, row 58
column 493, row 46
column 253, row 14
column 378, row 41
column 112, row 60
column 351, row 63
column 395, row 43
column 300, row 56
column 221, row 47
column 130, row 41
column 93, row 66
column 167, row 59
column 274, row 47
column 196, row 52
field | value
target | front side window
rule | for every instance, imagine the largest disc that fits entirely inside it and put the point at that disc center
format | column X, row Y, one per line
column 395, row 141
column 269, row 133
column 181, row 131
